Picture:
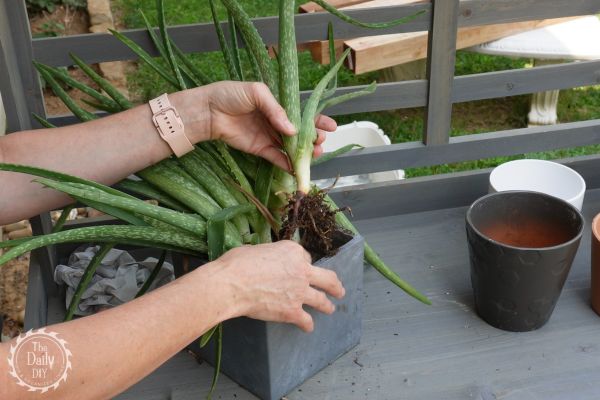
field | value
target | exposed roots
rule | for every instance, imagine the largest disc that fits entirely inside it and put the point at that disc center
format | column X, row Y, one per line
column 315, row 222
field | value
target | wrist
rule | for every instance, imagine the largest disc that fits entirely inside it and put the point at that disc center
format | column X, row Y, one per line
column 193, row 108
column 224, row 293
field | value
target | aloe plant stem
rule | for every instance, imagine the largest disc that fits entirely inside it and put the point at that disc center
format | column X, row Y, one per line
column 308, row 133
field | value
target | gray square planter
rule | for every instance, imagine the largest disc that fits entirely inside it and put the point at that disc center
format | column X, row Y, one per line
column 271, row 359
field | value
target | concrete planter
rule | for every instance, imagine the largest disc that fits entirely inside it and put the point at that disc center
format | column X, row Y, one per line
column 271, row 359
column 268, row 359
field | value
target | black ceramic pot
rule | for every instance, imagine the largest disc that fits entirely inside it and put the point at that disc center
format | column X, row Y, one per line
column 521, row 247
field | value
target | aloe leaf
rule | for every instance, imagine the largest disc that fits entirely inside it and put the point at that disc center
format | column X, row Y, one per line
column 254, row 66
column 215, row 229
column 59, row 176
column 142, row 188
column 218, row 356
column 328, row 156
column 247, row 162
column 262, row 188
column 188, row 222
column 346, row 97
column 373, row 25
column 189, row 78
column 205, row 338
column 153, row 275
column 154, row 37
column 225, row 49
column 103, row 107
column 79, row 112
column 221, row 170
column 113, row 211
column 289, row 81
column 264, row 179
column 43, row 121
column 332, row 57
column 234, row 168
column 13, row 242
column 235, row 50
column 372, row 258
column 84, row 282
column 93, row 93
column 308, row 133
column 193, row 69
column 254, row 42
column 162, row 25
column 132, row 235
column 177, row 183
column 102, row 83
column 173, row 180
column 193, row 164
column 144, row 56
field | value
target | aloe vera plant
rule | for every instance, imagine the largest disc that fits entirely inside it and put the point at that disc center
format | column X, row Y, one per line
column 214, row 198
column 214, row 177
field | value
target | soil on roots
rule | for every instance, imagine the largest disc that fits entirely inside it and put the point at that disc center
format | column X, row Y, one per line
column 312, row 217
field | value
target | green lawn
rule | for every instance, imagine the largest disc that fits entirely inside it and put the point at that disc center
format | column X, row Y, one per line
column 401, row 125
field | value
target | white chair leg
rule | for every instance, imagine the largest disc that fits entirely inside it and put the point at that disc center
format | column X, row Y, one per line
column 544, row 104
column 404, row 72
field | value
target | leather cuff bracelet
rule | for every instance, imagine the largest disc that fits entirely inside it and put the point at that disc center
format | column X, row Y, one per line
column 169, row 125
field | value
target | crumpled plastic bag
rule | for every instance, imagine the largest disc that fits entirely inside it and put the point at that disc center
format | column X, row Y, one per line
column 116, row 281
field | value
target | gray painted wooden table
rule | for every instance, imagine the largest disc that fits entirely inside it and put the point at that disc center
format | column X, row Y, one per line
column 412, row 351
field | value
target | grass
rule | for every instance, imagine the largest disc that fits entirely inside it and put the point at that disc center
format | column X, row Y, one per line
column 400, row 125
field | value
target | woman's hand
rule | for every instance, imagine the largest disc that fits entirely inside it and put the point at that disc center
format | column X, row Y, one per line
column 273, row 281
column 245, row 115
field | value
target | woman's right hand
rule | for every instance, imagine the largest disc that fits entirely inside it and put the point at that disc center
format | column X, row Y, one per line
column 273, row 281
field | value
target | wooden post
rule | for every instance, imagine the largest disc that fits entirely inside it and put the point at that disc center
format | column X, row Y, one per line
column 441, row 53
column 22, row 95
column 19, row 82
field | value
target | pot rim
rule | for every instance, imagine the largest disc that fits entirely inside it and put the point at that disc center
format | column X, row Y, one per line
column 499, row 169
column 576, row 238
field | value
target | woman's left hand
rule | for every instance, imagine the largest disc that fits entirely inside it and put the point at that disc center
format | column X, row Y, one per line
column 244, row 115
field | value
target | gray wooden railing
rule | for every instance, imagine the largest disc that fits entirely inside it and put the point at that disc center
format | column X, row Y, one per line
column 20, row 88
column 437, row 93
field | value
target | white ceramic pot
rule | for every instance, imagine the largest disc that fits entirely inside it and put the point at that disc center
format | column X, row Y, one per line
column 540, row 176
column 366, row 134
